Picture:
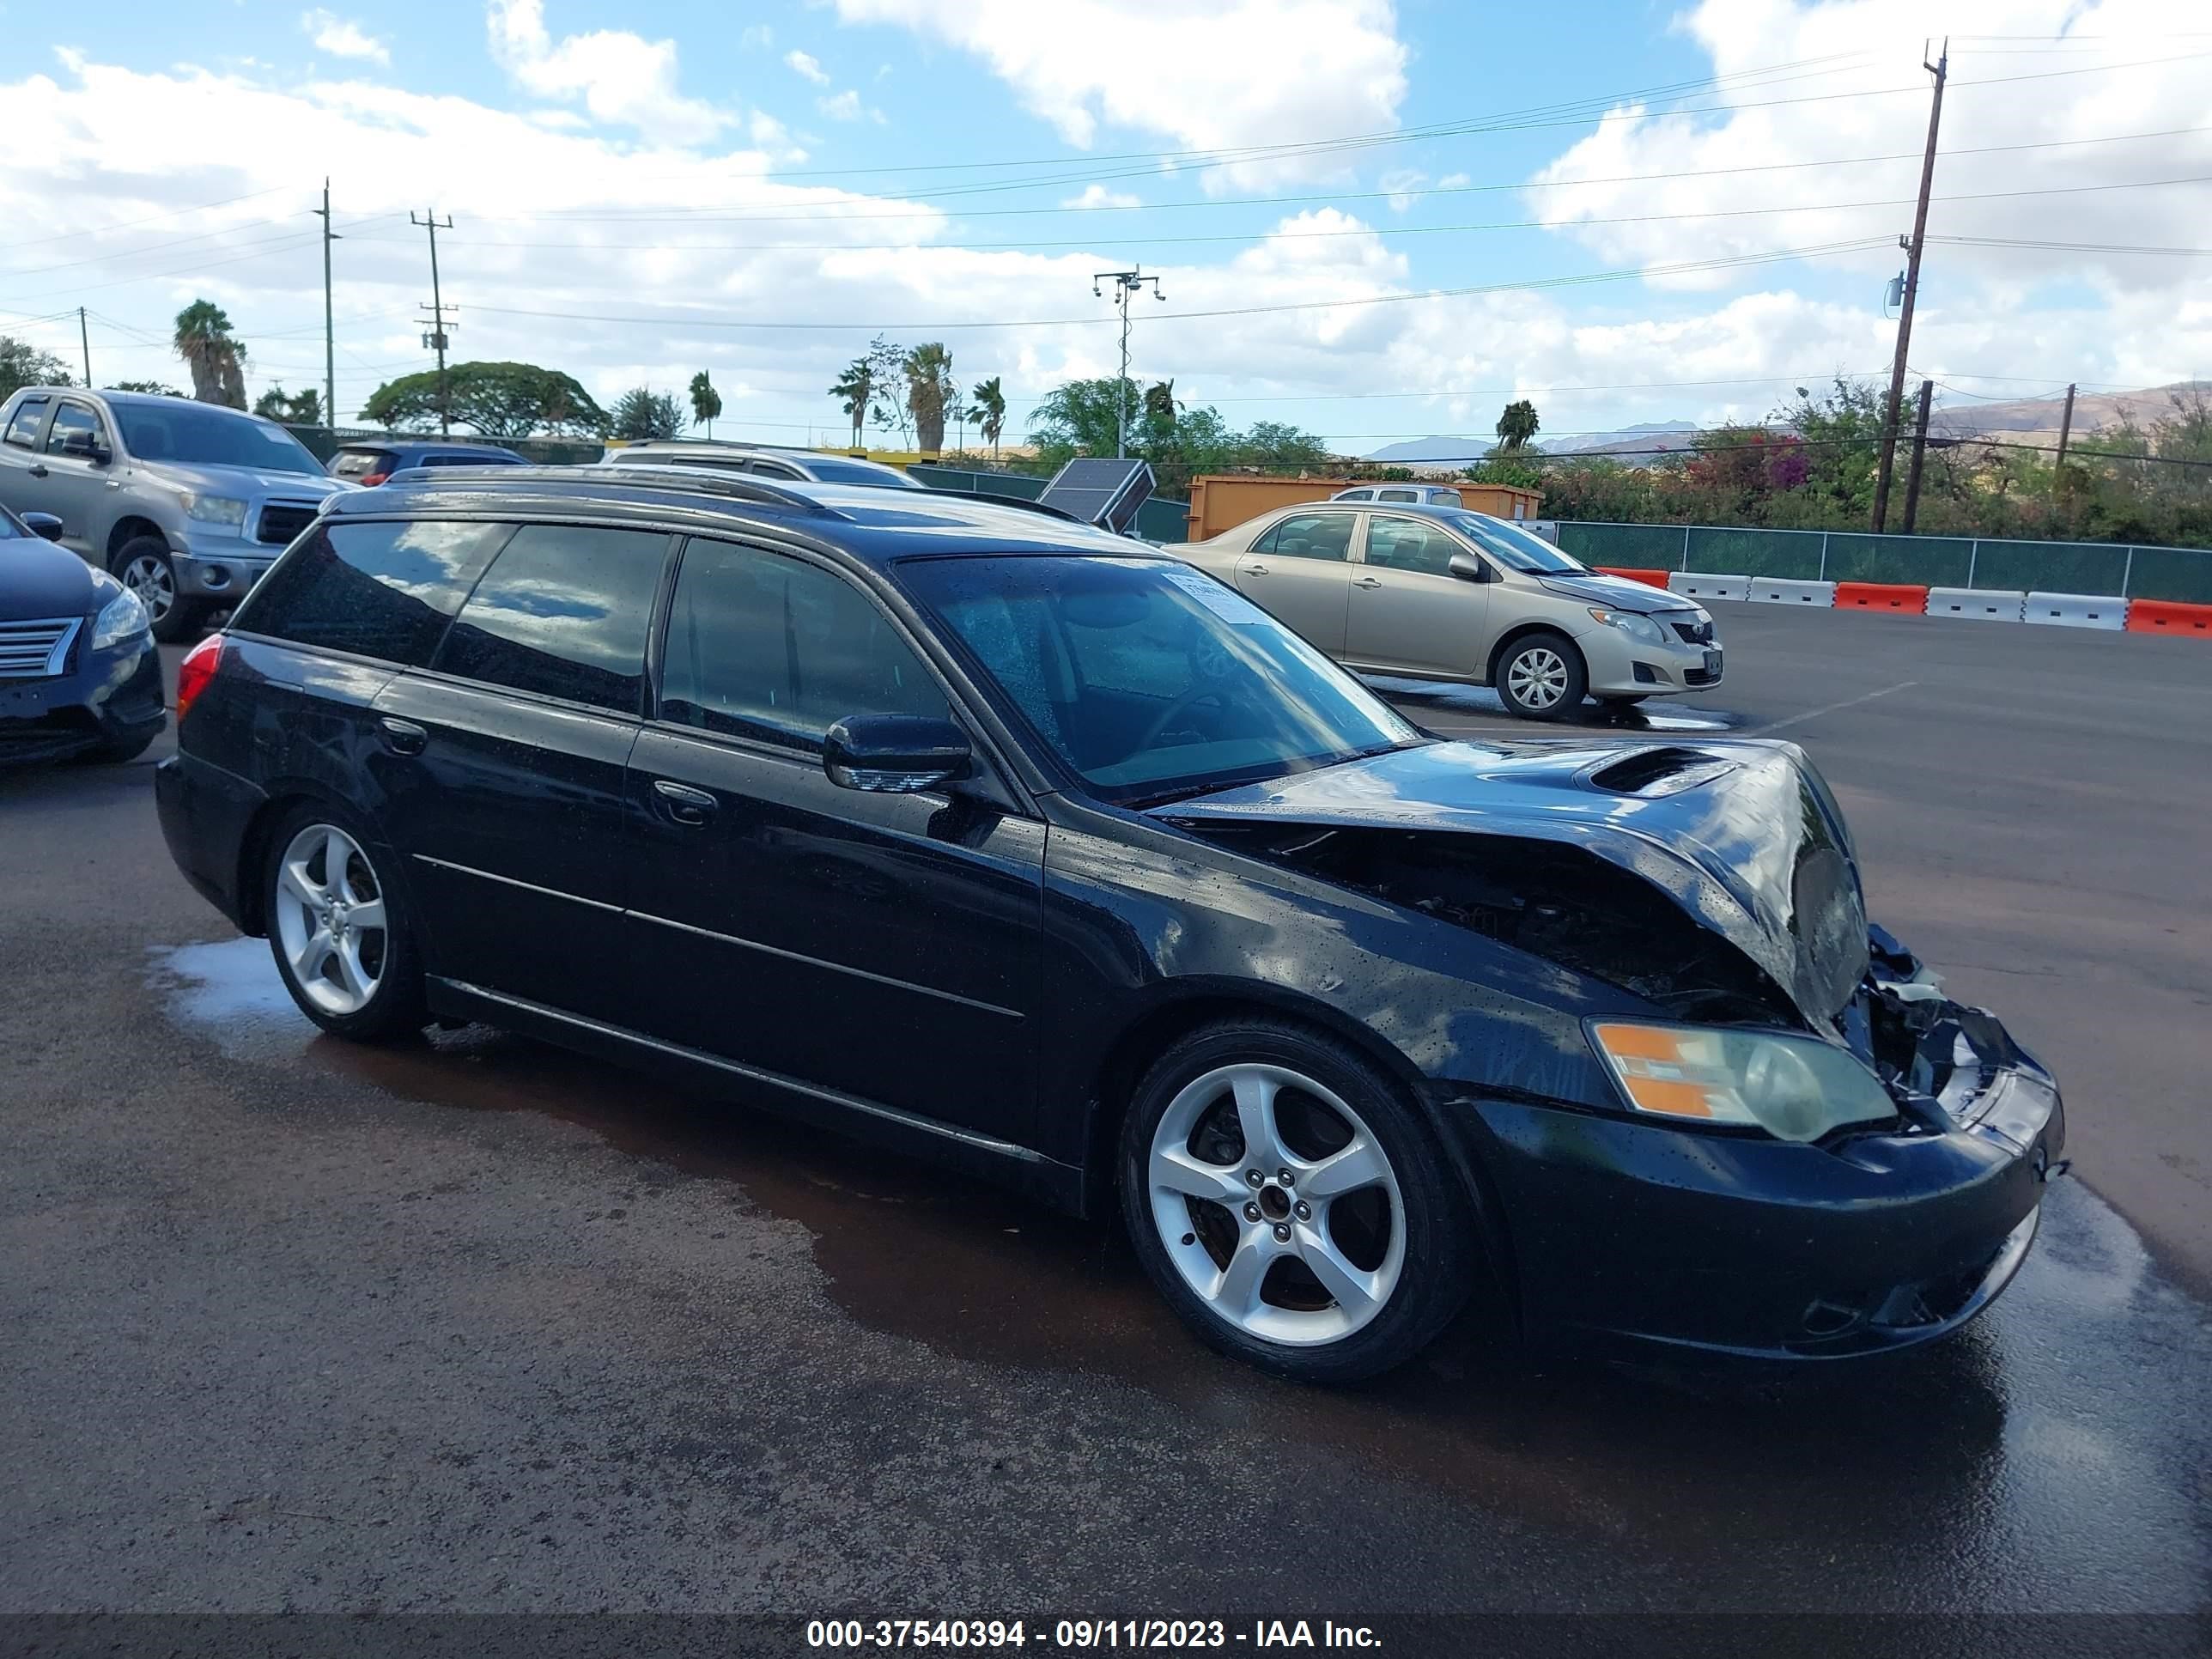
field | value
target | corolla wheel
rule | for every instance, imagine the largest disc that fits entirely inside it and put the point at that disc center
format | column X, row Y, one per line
column 1542, row 677
column 1538, row 676
column 328, row 919
column 1277, row 1205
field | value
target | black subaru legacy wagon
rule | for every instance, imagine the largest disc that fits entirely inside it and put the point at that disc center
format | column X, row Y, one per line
column 1015, row 845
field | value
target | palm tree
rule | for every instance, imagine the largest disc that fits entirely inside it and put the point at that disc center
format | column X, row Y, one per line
column 1517, row 424
column 929, row 393
column 215, row 356
column 989, row 412
column 856, row 387
column 705, row 402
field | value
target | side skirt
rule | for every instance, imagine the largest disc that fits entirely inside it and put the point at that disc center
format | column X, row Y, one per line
column 1000, row 1161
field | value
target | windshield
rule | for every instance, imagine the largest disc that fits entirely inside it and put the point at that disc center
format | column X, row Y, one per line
column 886, row 477
column 1149, row 678
column 179, row 431
column 1511, row 545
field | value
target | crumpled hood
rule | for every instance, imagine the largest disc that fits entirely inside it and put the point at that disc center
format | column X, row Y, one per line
column 39, row 579
column 1743, row 835
column 1617, row 592
column 242, row 483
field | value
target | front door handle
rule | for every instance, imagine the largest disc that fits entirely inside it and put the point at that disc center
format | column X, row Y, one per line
column 1367, row 581
column 403, row 737
column 1255, row 569
column 684, row 803
column 38, row 470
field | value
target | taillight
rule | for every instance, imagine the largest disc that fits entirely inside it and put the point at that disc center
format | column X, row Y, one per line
column 194, row 672
column 370, row 480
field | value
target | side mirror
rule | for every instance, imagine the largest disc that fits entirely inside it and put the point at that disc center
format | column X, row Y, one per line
column 895, row 754
column 83, row 447
column 42, row 524
column 1468, row 569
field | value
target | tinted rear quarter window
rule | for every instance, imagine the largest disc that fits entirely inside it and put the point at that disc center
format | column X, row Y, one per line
column 564, row 612
column 378, row 590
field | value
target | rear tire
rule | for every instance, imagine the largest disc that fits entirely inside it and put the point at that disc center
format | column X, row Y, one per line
column 1541, row 676
column 1350, row 1267
column 143, row 566
column 343, row 941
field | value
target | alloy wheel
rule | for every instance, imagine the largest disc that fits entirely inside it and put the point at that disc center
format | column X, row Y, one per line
column 151, row 580
column 1277, row 1205
column 331, row 919
column 1537, row 677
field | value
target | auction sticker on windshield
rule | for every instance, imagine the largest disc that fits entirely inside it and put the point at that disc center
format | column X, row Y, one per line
column 1224, row 602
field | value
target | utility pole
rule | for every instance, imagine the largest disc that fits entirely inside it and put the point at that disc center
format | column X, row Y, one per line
column 1126, row 283
column 436, row 336
column 2065, row 432
column 1941, row 70
column 1919, row 455
column 85, row 340
column 330, row 335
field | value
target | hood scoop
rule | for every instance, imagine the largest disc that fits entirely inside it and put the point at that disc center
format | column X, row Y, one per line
column 1666, row 769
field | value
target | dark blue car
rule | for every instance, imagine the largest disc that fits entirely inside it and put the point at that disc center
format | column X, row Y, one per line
column 78, row 675
column 371, row 463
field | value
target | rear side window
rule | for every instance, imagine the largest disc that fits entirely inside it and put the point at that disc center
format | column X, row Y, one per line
column 378, row 590
column 1311, row 536
column 764, row 645
column 360, row 463
column 23, row 426
column 1396, row 496
column 564, row 612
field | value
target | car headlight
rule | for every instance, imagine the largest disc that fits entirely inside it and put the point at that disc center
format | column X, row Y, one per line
column 1795, row 1088
column 215, row 509
column 121, row 618
column 1634, row 624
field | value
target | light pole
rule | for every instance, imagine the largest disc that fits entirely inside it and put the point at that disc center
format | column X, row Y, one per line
column 1126, row 283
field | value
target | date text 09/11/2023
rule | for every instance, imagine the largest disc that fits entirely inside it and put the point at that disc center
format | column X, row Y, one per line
column 1084, row 1635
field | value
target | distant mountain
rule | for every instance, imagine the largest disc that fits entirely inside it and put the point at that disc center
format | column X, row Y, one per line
column 1646, row 437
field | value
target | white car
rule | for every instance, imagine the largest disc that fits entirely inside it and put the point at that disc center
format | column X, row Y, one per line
column 761, row 461
column 1443, row 593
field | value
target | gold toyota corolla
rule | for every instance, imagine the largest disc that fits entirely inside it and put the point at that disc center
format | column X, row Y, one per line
column 1444, row 593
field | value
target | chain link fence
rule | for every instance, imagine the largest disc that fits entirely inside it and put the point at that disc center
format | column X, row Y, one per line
column 2119, row 570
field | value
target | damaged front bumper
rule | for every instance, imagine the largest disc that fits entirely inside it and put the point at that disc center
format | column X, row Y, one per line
column 1738, row 1244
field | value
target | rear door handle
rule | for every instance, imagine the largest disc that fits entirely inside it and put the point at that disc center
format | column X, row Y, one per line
column 403, row 737
column 684, row 803
column 1367, row 581
column 1255, row 569
column 38, row 470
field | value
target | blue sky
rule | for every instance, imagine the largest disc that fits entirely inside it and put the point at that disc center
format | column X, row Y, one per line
column 634, row 195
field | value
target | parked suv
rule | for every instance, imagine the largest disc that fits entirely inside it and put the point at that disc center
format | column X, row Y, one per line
column 993, row 837
column 1441, row 594
column 187, row 503
column 370, row 463
column 763, row 461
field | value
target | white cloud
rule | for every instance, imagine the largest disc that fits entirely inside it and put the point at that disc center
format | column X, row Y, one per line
column 844, row 106
column 623, row 79
column 1984, row 106
column 1398, row 183
column 806, row 65
column 1207, row 73
column 342, row 37
column 1097, row 195
column 756, row 37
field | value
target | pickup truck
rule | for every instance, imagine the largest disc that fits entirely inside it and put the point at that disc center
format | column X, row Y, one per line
column 186, row 503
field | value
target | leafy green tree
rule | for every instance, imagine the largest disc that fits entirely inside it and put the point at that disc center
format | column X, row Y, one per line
column 641, row 413
column 214, row 355
column 988, row 412
column 930, row 390
column 151, row 388
column 705, row 402
column 497, row 400
column 887, row 382
column 856, row 391
column 23, row 364
column 293, row 409
column 1082, row 417
column 1517, row 425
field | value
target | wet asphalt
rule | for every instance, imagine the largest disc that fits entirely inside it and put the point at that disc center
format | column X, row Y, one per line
column 287, row 1325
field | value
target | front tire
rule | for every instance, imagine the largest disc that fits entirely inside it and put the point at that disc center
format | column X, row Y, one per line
column 1541, row 676
column 143, row 566
column 1291, row 1205
column 338, row 932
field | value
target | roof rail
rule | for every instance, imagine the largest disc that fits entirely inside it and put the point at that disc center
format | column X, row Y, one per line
column 674, row 480
column 997, row 500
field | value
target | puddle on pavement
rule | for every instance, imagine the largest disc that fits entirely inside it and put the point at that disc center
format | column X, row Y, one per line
column 1914, row 1447
column 1438, row 700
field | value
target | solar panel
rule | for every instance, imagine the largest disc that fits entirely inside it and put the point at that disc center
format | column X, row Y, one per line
column 1106, row 493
